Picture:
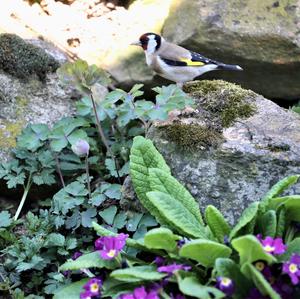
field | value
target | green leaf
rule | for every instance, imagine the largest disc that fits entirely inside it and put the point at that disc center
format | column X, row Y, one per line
column 292, row 208
column 281, row 222
column 55, row 239
column 204, row 252
column 71, row 291
column 269, row 223
column 250, row 250
column 89, row 260
column 88, row 216
column 161, row 238
column 58, row 144
column 176, row 215
column 216, row 222
column 5, row 219
column 277, row 202
column 113, row 191
column 163, row 181
column 246, row 218
column 277, row 189
column 76, row 189
column 260, row 282
column 144, row 155
column 292, row 248
column 120, row 220
column 133, row 221
column 192, row 287
column 77, row 135
column 109, row 214
column 137, row 274
column 226, row 267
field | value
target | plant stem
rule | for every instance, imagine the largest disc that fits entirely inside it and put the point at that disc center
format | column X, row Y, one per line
column 26, row 190
column 59, row 171
column 88, row 175
column 102, row 136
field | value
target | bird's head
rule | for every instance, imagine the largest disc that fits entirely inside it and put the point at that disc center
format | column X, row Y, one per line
column 150, row 42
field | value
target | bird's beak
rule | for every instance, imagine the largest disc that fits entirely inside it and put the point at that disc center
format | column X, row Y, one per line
column 136, row 43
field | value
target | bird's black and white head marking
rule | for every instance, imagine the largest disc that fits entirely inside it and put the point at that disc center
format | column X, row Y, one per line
column 150, row 42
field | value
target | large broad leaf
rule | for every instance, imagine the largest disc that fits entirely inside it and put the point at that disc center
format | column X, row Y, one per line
column 260, row 282
column 276, row 202
column 177, row 215
column 216, row 222
column 71, row 291
column 136, row 274
column 250, row 250
column 228, row 268
column 281, row 222
column 164, row 182
column 143, row 155
column 89, row 260
column 161, row 238
column 292, row 248
column 204, row 252
column 246, row 218
column 192, row 287
column 269, row 223
column 292, row 208
column 277, row 189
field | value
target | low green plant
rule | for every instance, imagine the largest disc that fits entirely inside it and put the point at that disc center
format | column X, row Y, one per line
column 195, row 258
column 85, row 187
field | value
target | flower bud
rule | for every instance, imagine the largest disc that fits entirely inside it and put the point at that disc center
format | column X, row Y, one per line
column 81, row 148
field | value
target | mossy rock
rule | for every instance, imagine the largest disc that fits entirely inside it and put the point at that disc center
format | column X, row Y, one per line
column 223, row 100
column 22, row 60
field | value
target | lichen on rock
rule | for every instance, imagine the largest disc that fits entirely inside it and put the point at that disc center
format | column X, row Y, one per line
column 21, row 59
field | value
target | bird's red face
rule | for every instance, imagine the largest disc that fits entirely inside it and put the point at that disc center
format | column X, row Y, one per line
column 149, row 42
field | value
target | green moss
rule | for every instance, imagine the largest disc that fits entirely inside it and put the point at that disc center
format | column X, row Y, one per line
column 22, row 59
column 223, row 100
column 192, row 136
column 8, row 133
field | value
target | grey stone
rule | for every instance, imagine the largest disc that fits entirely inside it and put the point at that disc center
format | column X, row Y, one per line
column 253, row 152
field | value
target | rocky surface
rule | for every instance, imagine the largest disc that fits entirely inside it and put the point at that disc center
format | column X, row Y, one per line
column 261, row 36
column 30, row 100
column 233, row 163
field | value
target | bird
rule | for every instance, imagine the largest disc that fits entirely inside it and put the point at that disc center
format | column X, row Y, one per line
column 176, row 63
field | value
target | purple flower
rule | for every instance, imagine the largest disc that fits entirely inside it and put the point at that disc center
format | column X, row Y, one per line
column 76, row 255
column 292, row 268
column 140, row 293
column 262, row 267
column 110, row 246
column 92, row 288
column 272, row 246
column 177, row 296
column 172, row 268
column 86, row 295
column 81, row 148
column 255, row 294
column 226, row 285
column 159, row 261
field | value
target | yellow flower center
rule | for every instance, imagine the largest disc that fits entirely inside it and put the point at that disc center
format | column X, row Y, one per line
column 259, row 266
column 293, row 268
column 269, row 248
column 226, row 281
column 94, row 287
column 111, row 253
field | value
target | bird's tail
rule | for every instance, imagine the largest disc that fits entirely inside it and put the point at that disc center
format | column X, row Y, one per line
column 229, row 67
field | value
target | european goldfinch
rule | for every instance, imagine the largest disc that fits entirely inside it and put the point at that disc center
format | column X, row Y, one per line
column 177, row 63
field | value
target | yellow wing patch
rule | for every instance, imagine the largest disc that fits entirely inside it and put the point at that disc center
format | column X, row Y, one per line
column 189, row 62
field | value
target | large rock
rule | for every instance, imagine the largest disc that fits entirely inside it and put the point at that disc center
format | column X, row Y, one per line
column 29, row 90
column 232, row 148
column 261, row 36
